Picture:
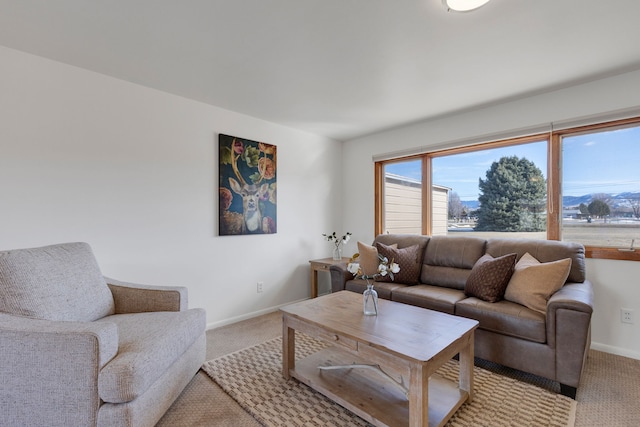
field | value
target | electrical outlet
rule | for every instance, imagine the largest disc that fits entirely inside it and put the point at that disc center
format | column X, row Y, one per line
column 626, row 315
column 260, row 287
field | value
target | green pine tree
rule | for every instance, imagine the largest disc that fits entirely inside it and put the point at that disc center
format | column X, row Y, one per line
column 513, row 197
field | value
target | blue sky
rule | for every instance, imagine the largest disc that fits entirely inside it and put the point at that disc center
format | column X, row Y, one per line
column 606, row 162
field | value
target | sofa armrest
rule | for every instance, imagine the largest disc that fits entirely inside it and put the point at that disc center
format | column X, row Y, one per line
column 135, row 298
column 569, row 329
column 49, row 370
column 572, row 296
column 339, row 276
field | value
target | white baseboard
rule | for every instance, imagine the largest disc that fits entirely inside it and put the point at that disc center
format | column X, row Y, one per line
column 615, row 350
column 246, row 316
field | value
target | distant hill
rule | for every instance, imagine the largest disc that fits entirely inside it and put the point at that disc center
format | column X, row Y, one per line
column 471, row 204
column 617, row 200
column 571, row 201
column 620, row 199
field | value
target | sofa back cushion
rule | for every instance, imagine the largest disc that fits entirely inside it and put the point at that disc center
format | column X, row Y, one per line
column 402, row 240
column 448, row 260
column 543, row 251
column 59, row 282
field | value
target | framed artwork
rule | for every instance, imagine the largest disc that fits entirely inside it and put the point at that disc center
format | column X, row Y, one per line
column 247, row 186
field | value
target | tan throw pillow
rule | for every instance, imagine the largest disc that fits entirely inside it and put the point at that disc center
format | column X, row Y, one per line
column 409, row 259
column 489, row 277
column 533, row 282
column 368, row 258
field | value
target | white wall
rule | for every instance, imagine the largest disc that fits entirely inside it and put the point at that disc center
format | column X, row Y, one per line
column 616, row 282
column 133, row 171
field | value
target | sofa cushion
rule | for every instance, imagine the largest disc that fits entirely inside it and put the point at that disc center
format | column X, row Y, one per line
column 458, row 251
column 58, row 282
column 409, row 259
column 384, row 289
column 448, row 260
column 489, row 277
column 431, row 297
column 533, row 283
column 149, row 343
column 505, row 317
column 403, row 240
column 368, row 258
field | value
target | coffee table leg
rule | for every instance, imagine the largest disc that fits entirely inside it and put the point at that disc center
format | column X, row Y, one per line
column 418, row 397
column 288, row 348
column 466, row 368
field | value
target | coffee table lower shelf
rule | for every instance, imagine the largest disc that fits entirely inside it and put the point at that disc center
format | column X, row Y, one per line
column 369, row 394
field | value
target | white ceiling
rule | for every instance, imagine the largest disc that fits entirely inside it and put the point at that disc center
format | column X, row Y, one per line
column 340, row 68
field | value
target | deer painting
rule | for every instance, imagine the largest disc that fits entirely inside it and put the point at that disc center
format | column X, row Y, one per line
column 247, row 174
column 251, row 194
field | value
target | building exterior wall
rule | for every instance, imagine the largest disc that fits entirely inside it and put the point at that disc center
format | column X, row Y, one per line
column 403, row 207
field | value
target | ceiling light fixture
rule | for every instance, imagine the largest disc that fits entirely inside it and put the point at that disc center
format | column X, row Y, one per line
column 463, row 5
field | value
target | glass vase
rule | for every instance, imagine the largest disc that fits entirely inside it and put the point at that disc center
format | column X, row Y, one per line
column 337, row 253
column 370, row 300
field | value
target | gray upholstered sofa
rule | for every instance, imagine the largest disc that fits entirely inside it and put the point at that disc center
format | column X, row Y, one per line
column 77, row 349
column 552, row 344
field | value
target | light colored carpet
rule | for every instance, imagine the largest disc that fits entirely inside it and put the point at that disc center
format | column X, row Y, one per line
column 608, row 394
column 253, row 377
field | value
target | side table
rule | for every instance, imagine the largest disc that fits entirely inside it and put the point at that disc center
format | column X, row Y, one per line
column 321, row 265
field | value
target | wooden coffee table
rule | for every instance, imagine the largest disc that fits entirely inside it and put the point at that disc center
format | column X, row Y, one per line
column 381, row 367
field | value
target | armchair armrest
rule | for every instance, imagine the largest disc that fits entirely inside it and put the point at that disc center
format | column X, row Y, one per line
column 135, row 298
column 46, row 337
column 49, row 370
column 339, row 276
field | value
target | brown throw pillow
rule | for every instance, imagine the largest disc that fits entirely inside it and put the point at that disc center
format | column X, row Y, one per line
column 489, row 277
column 409, row 259
column 533, row 283
column 368, row 258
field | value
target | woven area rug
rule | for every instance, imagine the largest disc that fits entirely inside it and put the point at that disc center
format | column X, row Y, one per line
column 253, row 377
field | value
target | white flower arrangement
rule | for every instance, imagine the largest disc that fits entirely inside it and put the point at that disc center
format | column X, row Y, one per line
column 384, row 268
column 333, row 237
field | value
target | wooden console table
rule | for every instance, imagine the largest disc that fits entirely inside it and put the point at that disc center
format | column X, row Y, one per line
column 321, row 265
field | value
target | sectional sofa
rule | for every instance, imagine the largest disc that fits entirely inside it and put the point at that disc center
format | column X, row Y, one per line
column 551, row 340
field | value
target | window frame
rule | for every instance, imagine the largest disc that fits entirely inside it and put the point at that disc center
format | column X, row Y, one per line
column 554, row 181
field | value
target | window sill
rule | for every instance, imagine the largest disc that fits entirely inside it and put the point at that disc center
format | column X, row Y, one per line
column 597, row 252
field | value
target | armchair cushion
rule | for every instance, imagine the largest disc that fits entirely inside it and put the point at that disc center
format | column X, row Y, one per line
column 149, row 343
column 59, row 282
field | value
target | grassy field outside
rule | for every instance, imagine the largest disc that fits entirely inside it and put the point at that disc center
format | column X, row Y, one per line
column 615, row 235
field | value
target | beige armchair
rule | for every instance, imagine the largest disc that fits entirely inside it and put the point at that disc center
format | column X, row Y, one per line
column 77, row 349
